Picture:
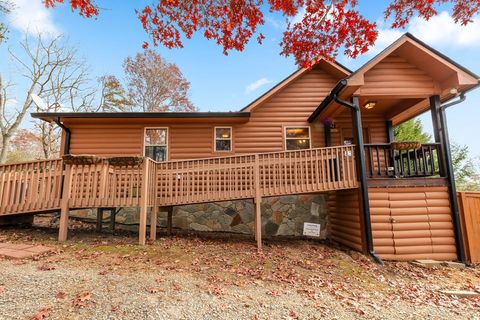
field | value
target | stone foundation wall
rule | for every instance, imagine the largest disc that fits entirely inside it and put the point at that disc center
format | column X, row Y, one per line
column 281, row 216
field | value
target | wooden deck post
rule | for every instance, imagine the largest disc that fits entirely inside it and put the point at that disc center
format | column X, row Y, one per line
column 169, row 219
column 112, row 219
column 153, row 223
column 258, row 204
column 142, row 229
column 64, row 204
column 99, row 220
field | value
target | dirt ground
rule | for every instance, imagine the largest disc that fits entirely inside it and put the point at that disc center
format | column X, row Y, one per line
column 105, row 276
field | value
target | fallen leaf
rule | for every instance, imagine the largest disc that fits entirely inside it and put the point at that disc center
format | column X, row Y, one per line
column 293, row 314
column 273, row 293
column 61, row 295
column 216, row 290
column 41, row 314
column 46, row 267
column 81, row 299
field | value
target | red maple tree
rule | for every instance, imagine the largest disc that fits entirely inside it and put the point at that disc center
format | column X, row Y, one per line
column 326, row 26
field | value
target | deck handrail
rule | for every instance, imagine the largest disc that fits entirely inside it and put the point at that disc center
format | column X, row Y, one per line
column 383, row 161
column 52, row 185
column 40, row 185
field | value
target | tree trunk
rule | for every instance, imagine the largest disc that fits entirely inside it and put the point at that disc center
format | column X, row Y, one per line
column 3, row 153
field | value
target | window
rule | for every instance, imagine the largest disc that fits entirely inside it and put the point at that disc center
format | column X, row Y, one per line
column 156, row 143
column 223, row 139
column 297, row 138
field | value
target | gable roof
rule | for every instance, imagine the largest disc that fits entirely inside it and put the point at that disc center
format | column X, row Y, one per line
column 408, row 38
column 341, row 69
column 348, row 86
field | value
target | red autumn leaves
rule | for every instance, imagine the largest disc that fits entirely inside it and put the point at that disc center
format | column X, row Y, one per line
column 326, row 27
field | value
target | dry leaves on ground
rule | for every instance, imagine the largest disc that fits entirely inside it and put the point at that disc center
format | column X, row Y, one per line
column 82, row 299
column 41, row 314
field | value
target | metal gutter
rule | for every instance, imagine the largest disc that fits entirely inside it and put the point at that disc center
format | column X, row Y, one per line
column 114, row 115
column 68, row 135
column 328, row 99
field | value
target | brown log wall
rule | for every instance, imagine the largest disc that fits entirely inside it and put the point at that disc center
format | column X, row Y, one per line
column 395, row 76
column 345, row 221
column 264, row 131
column 412, row 223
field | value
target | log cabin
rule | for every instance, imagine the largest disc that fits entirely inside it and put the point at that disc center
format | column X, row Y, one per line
column 326, row 131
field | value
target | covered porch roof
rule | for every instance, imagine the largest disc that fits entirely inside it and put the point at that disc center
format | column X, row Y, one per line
column 399, row 81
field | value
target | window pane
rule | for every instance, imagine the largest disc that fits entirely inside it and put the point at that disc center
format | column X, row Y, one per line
column 155, row 137
column 297, row 133
column 298, row 144
column 223, row 145
column 157, row 153
column 223, row 133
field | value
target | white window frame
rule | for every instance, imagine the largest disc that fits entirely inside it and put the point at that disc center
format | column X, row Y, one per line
column 215, row 139
column 285, row 129
column 167, row 154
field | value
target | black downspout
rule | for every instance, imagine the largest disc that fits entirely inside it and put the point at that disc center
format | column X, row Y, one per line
column 68, row 133
column 361, row 164
column 442, row 128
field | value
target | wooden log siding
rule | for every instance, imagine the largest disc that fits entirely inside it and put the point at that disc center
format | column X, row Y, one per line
column 345, row 218
column 37, row 186
column 264, row 131
column 395, row 76
column 412, row 223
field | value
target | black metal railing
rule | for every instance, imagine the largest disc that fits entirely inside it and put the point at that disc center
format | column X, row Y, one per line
column 384, row 161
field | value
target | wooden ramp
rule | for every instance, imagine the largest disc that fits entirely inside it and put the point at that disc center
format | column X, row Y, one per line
column 50, row 185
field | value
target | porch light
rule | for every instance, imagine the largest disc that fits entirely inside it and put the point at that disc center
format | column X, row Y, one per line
column 370, row 105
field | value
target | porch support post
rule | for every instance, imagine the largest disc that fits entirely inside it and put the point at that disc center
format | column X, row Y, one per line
column 142, row 228
column 65, row 204
column 362, row 176
column 153, row 223
column 390, row 134
column 435, row 105
column 112, row 219
column 258, row 205
column 328, row 136
column 169, row 220
column 99, row 220
column 441, row 132
column 169, row 211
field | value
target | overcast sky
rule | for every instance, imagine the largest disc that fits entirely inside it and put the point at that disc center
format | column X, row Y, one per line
column 224, row 83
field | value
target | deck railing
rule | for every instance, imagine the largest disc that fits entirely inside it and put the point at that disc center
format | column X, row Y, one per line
column 50, row 184
column 237, row 177
column 32, row 186
column 385, row 162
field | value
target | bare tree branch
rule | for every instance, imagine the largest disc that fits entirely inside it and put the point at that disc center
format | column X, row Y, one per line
column 54, row 73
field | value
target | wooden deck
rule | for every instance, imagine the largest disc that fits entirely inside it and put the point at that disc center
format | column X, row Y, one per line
column 52, row 185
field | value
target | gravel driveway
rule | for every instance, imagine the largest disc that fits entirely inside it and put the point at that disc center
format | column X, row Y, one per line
column 189, row 277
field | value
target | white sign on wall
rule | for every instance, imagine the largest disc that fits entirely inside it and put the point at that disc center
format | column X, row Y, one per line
column 311, row 229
